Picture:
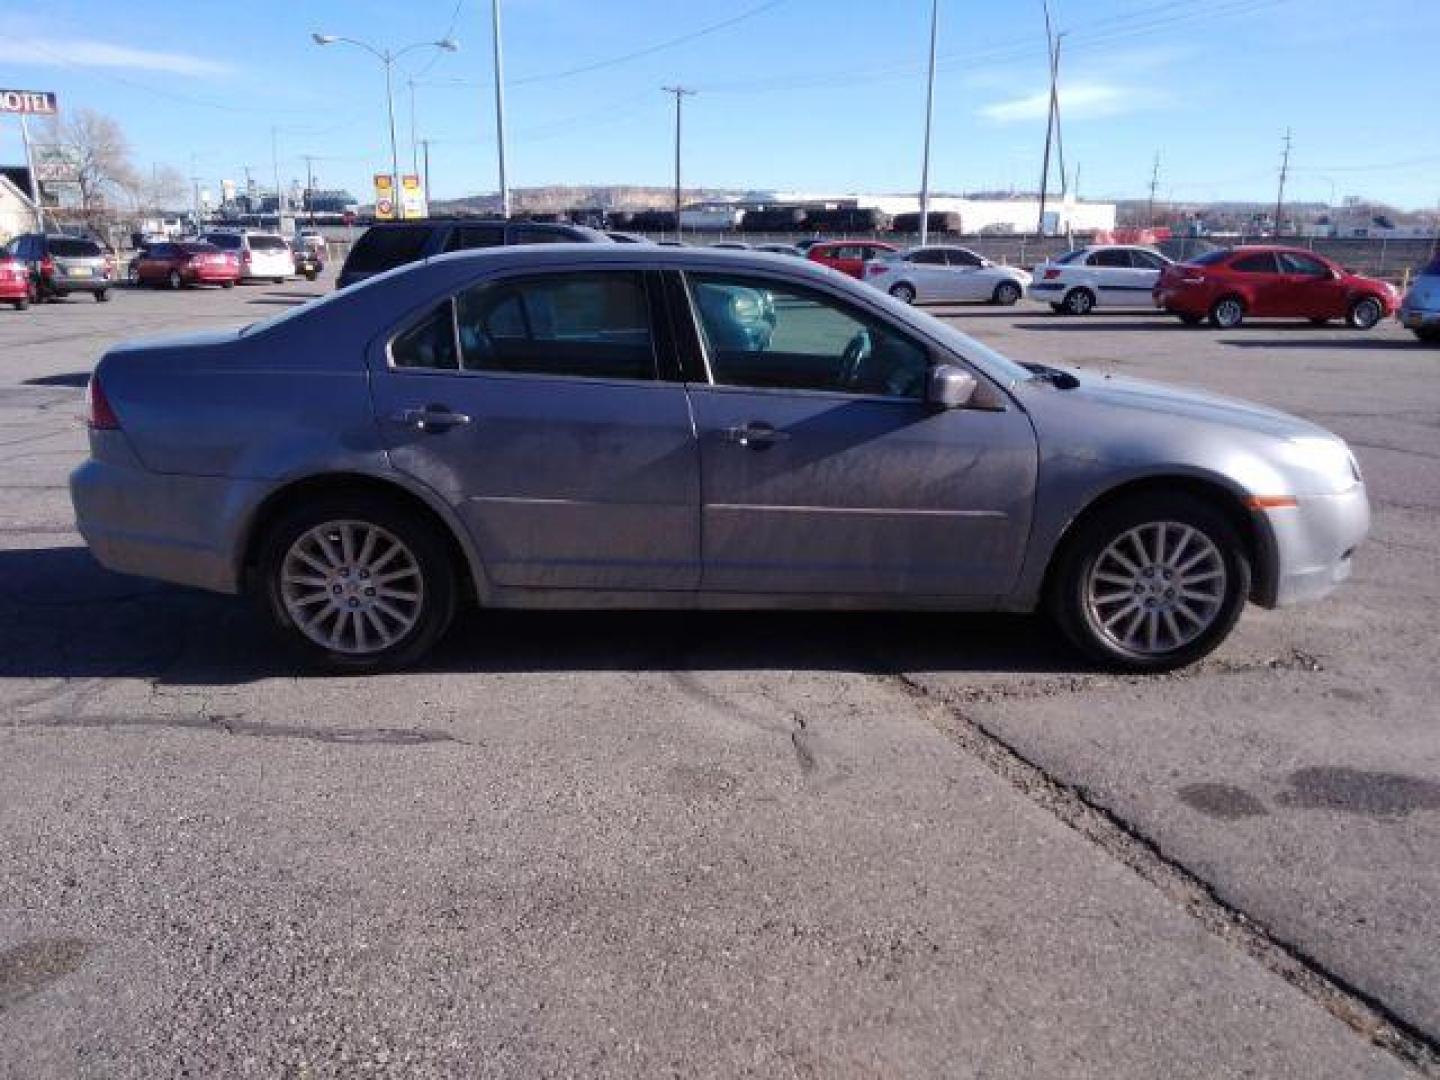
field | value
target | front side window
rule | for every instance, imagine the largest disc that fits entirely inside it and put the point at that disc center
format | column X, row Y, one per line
column 590, row 325
column 1294, row 263
column 773, row 335
column 927, row 257
column 1260, row 263
column 1148, row 260
column 430, row 343
column 961, row 257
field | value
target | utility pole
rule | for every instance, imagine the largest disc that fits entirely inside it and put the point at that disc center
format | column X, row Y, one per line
column 680, row 93
column 414, row 145
column 310, row 187
column 1055, row 109
column 1284, row 172
column 500, row 107
column 1049, row 121
column 425, row 147
column 1154, row 184
column 275, row 164
column 929, row 113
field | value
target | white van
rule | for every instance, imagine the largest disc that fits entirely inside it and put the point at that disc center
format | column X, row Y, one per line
column 263, row 256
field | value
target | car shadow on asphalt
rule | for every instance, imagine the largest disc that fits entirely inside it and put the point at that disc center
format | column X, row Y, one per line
column 69, row 378
column 1385, row 344
column 63, row 616
column 278, row 300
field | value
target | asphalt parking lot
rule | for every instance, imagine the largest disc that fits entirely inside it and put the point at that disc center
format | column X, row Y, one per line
column 724, row 844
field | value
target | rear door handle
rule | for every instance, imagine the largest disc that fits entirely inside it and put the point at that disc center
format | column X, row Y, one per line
column 431, row 419
column 755, row 435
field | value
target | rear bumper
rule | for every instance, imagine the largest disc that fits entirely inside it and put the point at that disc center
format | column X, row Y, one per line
column 1314, row 542
column 175, row 528
column 69, row 285
column 1180, row 303
column 209, row 276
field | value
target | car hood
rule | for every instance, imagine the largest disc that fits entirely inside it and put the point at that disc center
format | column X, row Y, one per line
column 1106, row 393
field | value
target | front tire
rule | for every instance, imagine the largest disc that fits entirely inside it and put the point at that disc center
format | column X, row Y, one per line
column 1079, row 302
column 1365, row 313
column 357, row 583
column 1150, row 584
column 903, row 292
column 1007, row 294
column 175, row 281
column 1227, row 313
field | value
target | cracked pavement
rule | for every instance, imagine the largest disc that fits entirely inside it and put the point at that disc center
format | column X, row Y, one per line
column 620, row 844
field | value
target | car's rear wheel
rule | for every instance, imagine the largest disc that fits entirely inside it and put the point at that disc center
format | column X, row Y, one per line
column 1227, row 313
column 227, row 284
column 1007, row 294
column 1079, row 302
column 1152, row 583
column 903, row 292
column 133, row 275
column 102, row 295
column 357, row 583
column 1365, row 313
column 174, row 280
column 21, row 305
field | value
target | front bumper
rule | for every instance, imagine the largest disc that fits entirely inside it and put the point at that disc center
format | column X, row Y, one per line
column 1416, row 318
column 1313, row 544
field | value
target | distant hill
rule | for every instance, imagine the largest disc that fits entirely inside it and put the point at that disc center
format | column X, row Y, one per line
column 581, row 196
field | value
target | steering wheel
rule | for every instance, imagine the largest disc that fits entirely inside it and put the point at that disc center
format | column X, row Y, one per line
column 857, row 351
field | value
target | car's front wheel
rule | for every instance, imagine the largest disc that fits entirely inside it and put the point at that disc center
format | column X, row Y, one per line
column 1365, row 313
column 102, row 296
column 1007, row 294
column 358, row 583
column 902, row 292
column 1150, row 584
column 174, row 280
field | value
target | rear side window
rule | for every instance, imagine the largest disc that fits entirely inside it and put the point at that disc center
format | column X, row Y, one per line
column 927, row 257
column 430, row 343
column 1071, row 256
column 468, row 237
column 590, row 325
column 1210, row 258
column 1260, row 263
column 65, row 248
column 386, row 248
column 268, row 243
column 1114, row 257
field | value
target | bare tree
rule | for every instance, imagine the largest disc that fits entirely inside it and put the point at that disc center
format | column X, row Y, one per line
column 103, row 152
column 164, row 188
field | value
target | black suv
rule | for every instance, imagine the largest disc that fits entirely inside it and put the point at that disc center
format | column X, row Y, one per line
column 390, row 244
column 64, row 264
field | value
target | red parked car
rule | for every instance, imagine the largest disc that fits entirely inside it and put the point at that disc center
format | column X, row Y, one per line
column 15, row 286
column 848, row 256
column 1228, row 285
column 188, row 262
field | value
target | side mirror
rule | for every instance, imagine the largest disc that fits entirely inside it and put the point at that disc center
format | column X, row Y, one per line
column 950, row 387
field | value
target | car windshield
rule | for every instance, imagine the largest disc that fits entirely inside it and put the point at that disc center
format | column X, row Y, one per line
column 74, row 249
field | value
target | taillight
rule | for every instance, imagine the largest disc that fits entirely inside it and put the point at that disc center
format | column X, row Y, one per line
column 99, row 416
column 1052, row 273
column 1193, row 277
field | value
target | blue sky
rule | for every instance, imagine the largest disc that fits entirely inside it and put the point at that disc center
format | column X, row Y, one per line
column 819, row 95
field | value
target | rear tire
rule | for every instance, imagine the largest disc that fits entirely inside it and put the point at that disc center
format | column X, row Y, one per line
column 1227, row 313
column 102, row 296
column 309, row 570
column 175, row 281
column 1110, row 593
column 1365, row 313
column 902, row 292
column 1079, row 302
column 227, row 284
column 1007, row 294
column 21, row 305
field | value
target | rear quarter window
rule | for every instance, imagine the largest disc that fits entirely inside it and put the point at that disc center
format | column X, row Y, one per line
column 1210, row 258
column 384, row 249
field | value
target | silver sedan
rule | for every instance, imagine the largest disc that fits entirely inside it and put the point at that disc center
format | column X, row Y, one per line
column 645, row 427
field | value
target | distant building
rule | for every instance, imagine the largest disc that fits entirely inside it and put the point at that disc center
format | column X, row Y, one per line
column 17, row 212
column 977, row 215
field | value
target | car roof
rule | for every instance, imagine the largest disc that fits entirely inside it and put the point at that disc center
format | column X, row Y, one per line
column 541, row 255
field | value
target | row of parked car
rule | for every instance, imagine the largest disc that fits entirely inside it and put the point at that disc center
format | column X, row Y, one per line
column 1224, row 286
column 37, row 267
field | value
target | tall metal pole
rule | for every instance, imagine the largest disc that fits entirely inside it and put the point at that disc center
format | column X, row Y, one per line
column 389, row 60
column 275, row 164
column 929, row 115
column 30, row 168
column 1284, row 171
column 1154, row 183
column 500, row 107
column 680, row 94
column 414, row 146
column 1055, row 110
column 426, row 144
column 1049, row 122
column 310, row 187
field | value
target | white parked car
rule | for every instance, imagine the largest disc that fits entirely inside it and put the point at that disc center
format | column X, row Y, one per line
column 1081, row 280
column 939, row 273
column 263, row 256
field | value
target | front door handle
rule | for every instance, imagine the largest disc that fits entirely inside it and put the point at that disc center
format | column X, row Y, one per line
column 755, row 435
column 430, row 419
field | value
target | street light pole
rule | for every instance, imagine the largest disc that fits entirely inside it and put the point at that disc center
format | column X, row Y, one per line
column 387, row 58
column 680, row 93
column 500, row 107
column 929, row 113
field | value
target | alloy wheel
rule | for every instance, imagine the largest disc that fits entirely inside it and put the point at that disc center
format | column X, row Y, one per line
column 1156, row 588
column 1228, row 313
column 352, row 587
column 1365, row 314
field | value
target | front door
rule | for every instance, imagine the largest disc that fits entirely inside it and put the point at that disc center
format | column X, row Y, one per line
column 535, row 406
column 1311, row 290
column 823, row 470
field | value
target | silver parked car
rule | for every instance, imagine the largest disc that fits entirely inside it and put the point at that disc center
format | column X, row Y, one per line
column 625, row 426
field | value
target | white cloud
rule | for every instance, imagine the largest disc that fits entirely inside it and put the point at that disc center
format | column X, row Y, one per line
column 47, row 52
column 1078, row 101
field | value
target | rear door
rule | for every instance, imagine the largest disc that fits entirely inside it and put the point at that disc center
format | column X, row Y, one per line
column 1114, row 275
column 543, row 408
column 967, row 283
column 1258, row 276
column 933, row 281
column 823, row 470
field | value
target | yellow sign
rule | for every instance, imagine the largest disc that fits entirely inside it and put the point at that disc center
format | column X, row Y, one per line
column 412, row 197
column 384, row 197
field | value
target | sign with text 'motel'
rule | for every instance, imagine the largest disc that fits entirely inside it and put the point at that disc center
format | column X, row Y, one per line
column 28, row 102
